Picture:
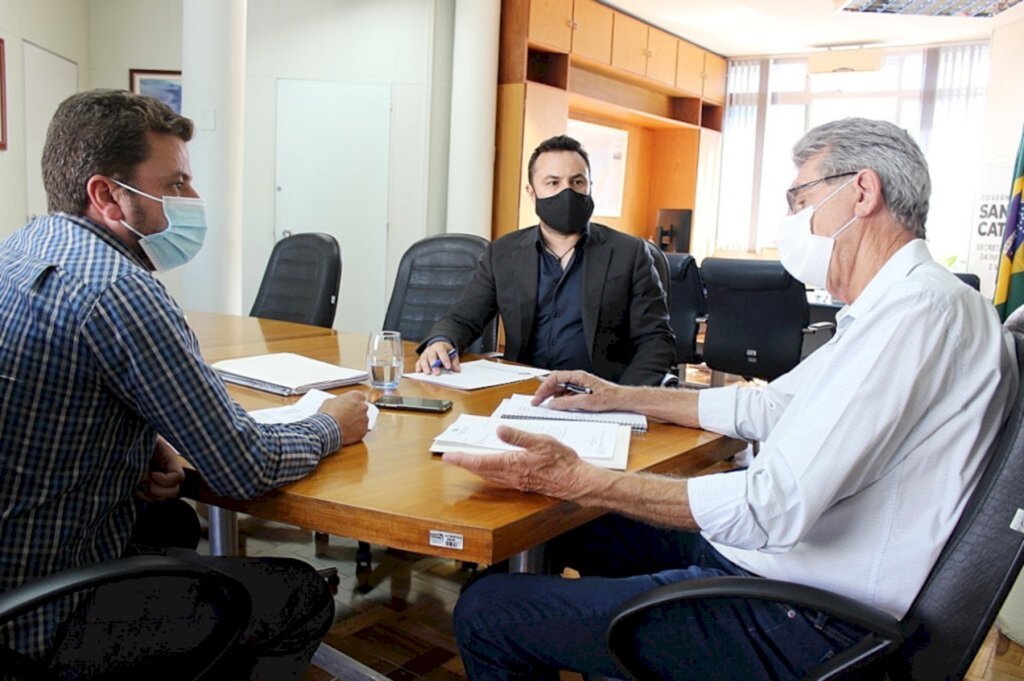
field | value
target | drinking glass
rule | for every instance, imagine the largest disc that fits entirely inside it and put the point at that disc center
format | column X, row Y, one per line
column 384, row 359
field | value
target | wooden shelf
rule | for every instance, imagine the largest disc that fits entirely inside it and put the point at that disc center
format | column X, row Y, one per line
column 598, row 107
column 592, row 91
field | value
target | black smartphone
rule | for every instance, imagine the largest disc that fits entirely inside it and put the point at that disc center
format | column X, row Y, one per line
column 413, row 403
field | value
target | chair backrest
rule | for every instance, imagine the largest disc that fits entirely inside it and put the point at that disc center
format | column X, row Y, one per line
column 224, row 599
column 972, row 280
column 976, row 569
column 687, row 302
column 301, row 281
column 756, row 316
column 431, row 276
column 661, row 266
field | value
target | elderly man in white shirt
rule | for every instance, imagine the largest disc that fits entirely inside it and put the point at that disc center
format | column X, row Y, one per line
column 870, row 450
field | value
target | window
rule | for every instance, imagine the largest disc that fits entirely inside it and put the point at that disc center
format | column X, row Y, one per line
column 936, row 94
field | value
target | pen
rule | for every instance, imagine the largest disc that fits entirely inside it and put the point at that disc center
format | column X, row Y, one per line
column 451, row 355
column 573, row 388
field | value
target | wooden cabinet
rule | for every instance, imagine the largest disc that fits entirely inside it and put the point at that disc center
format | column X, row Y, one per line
column 551, row 23
column 592, row 31
column 701, row 72
column 643, row 50
column 583, row 60
column 715, row 70
column 629, row 45
column 690, row 68
column 661, row 57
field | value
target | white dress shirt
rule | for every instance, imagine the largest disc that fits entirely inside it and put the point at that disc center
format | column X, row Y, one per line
column 871, row 446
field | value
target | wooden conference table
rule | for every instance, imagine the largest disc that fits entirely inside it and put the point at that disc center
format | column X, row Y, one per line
column 389, row 489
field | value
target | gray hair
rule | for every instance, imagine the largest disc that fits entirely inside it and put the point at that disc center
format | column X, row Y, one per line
column 853, row 144
column 101, row 132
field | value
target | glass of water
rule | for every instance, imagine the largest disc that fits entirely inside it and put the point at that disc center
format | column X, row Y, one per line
column 384, row 359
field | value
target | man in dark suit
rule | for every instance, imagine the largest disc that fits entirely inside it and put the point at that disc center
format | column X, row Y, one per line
column 572, row 294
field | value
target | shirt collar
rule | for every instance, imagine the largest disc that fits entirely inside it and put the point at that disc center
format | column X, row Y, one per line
column 106, row 236
column 895, row 269
column 538, row 240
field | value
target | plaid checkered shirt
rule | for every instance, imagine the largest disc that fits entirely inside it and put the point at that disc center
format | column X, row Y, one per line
column 96, row 360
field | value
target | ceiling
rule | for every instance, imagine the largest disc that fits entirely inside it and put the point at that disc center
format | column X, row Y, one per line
column 736, row 28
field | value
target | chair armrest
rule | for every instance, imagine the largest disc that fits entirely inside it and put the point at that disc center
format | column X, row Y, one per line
column 23, row 598
column 885, row 632
column 819, row 326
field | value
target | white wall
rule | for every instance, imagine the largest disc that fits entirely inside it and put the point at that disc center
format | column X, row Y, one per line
column 61, row 27
column 406, row 43
column 1004, row 100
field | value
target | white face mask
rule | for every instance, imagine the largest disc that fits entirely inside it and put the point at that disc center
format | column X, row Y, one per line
column 804, row 254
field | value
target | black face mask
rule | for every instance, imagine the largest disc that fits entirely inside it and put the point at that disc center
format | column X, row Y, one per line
column 567, row 212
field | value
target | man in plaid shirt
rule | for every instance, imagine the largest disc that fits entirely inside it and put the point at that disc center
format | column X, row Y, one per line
column 101, row 380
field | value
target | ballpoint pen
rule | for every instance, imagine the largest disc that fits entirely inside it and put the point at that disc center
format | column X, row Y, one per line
column 452, row 354
column 573, row 388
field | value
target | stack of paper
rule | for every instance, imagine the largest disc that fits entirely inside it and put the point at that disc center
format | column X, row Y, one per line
column 519, row 407
column 602, row 444
column 481, row 374
column 305, row 407
column 286, row 373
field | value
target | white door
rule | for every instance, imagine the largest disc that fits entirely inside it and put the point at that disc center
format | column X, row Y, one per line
column 333, row 141
column 49, row 80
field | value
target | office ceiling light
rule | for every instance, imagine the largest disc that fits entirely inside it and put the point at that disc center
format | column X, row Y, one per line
column 930, row 8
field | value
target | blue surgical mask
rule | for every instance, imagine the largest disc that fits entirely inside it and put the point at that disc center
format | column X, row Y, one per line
column 181, row 239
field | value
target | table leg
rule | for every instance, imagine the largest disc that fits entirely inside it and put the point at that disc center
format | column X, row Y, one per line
column 223, row 531
column 531, row 560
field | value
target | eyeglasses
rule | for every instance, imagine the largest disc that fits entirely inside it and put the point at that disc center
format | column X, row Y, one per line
column 792, row 191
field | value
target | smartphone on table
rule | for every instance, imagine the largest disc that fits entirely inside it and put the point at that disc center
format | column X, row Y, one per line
column 413, row 403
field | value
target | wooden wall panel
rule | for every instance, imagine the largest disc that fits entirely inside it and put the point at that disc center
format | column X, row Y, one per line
column 509, row 137
column 673, row 171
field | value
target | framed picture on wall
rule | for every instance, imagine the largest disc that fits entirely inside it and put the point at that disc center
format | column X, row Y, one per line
column 162, row 85
column 3, row 98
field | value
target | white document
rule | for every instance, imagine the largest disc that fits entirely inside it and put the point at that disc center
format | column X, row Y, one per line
column 285, row 373
column 519, row 407
column 481, row 373
column 303, row 408
column 602, row 444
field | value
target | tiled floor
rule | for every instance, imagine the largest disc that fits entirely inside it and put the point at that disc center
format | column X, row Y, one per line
column 396, row 618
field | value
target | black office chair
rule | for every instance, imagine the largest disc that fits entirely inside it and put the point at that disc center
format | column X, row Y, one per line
column 687, row 305
column 949, row 619
column 972, row 280
column 757, row 317
column 225, row 601
column 431, row 276
column 301, row 281
column 661, row 267
column 301, row 285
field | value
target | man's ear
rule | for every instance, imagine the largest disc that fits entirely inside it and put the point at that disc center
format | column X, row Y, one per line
column 103, row 207
column 871, row 196
column 530, row 192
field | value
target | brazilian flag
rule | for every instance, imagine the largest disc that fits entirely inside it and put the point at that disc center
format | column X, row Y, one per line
column 1010, row 281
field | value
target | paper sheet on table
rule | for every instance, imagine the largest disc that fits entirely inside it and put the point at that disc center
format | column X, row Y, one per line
column 481, row 373
column 303, row 408
column 602, row 444
column 519, row 407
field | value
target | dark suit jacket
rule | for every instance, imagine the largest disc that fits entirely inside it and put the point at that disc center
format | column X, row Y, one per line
column 625, row 319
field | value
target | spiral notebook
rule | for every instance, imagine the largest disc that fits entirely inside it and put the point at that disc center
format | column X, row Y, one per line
column 519, row 407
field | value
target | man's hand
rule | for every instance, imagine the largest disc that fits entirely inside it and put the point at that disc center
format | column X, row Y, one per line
column 437, row 352
column 546, row 466
column 165, row 475
column 349, row 410
column 604, row 396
